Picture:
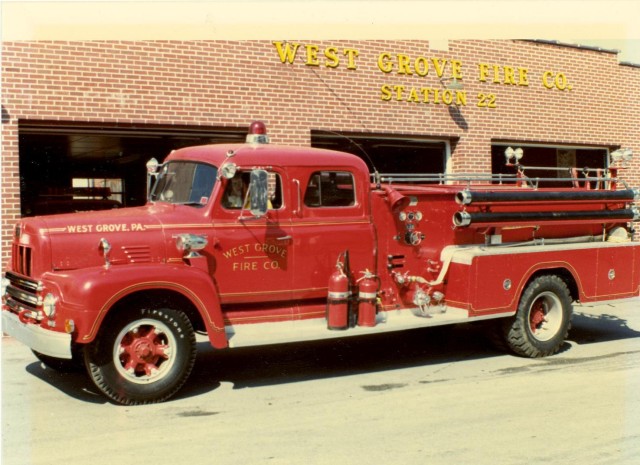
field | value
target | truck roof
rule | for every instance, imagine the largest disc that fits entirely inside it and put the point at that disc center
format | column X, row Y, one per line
column 268, row 154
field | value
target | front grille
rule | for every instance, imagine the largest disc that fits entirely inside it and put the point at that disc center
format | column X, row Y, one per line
column 22, row 259
column 22, row 293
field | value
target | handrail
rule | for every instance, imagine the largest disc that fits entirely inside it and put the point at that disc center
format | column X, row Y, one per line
column 611, row 180
column 468, row 178
column 442, row 177
column 578, row 177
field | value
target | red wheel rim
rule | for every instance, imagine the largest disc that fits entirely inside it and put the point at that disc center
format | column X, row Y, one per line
column 545, row 316
column 144, row 351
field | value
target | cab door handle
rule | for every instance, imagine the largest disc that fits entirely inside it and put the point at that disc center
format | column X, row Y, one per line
column 284, row 238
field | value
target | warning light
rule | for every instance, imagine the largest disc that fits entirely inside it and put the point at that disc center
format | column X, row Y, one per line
column 257, row 133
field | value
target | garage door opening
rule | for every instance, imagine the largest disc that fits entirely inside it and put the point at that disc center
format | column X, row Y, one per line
column 388, row 154
column 67, row 169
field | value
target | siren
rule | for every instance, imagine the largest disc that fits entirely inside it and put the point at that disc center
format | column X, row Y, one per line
column 397, row 201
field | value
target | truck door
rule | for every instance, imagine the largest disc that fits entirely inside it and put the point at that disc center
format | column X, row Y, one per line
column 333, row 217
column 253, row 258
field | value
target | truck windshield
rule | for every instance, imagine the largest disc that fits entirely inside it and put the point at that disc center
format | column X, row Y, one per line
column 184, row 183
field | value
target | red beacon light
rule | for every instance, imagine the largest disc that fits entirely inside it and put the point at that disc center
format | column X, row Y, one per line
column 257, row 133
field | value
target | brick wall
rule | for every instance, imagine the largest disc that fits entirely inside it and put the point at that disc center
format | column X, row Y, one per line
column 223, row 83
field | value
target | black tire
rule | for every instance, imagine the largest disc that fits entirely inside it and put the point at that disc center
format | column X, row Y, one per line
column 143, row 356
column 543, row 319
column 62, row 365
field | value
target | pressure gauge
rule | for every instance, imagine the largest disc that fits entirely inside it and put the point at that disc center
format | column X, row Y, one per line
column 418, row 216
column 402, row 216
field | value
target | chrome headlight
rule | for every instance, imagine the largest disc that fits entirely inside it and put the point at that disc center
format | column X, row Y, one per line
column 49, row 305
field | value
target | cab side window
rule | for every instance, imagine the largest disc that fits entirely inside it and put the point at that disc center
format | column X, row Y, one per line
column 330, row 189
column 235, row 193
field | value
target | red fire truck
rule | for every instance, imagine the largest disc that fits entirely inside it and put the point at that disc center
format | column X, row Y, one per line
column 255, row 243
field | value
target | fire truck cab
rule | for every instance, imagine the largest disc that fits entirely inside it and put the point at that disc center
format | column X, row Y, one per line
column 254, row 244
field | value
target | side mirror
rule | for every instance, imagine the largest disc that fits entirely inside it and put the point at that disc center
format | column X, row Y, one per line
column 259, row 193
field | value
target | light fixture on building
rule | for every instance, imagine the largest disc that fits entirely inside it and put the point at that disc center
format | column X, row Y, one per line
column 513, row 156
column 623, row 156
column 452, row 83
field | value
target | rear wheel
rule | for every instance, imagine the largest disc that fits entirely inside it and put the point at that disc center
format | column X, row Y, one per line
column 543, row 319
column 143, row 356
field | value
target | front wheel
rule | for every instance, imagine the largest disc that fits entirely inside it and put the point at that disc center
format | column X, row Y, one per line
column 143, row 356
column 543, row 319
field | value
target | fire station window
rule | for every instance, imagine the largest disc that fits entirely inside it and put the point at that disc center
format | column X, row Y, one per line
column 236, row 191
column 330, row 189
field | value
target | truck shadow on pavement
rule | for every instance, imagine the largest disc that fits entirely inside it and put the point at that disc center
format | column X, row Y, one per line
column 588, row 328
column 295, row 362
column 76, row 384
column 290, row 363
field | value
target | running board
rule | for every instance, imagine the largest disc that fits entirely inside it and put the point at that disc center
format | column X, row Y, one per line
column 314, row 329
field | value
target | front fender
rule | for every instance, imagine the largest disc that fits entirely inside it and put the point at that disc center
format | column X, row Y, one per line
column 87, row 295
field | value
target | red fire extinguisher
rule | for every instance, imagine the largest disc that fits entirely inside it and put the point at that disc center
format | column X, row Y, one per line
column 367, row 299
column 338, row 299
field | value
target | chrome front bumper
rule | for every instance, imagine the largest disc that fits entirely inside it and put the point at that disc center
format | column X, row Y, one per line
column 51, row 343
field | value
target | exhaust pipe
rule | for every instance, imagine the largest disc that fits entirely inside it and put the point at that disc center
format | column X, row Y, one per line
column 464, row 219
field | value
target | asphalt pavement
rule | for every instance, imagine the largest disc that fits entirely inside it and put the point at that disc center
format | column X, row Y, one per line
column 434, row 396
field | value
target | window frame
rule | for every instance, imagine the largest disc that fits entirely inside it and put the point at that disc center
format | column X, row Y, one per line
column 278, row 187
column 353, row 201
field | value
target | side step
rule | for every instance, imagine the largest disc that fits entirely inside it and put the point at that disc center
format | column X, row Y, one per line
column 313, row 329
